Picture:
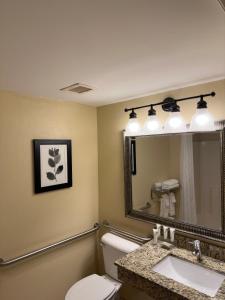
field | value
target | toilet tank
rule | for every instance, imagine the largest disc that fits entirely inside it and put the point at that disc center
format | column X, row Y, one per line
column 115, row 247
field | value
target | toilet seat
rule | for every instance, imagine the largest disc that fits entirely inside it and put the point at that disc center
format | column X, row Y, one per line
column 92, row 287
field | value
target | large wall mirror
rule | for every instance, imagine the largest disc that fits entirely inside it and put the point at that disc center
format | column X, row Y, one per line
column 178, row 180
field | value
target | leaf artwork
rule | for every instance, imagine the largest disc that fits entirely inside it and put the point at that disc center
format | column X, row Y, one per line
column 57, row 158
column 51, row 152
column 53, row 161
column 50, row 176
column 59, row 169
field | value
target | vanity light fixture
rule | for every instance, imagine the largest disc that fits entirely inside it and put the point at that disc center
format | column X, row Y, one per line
column 201, row 121
column 175, row 122
column 152, row 123
column 133, row 126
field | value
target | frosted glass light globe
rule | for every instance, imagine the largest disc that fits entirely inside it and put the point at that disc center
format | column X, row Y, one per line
column 133, row 127
column 175, row 123
column 202, row 121
column 152, row 125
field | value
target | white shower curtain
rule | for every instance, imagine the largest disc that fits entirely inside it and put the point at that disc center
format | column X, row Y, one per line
column 187, row 202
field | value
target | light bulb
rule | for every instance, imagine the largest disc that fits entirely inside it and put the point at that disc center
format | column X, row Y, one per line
column 202, row 121
column 133, row 127
column 175, row 123
column 152, row 125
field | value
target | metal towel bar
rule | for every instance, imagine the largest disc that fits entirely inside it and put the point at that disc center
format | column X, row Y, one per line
column 96, row 227
column 129, row 235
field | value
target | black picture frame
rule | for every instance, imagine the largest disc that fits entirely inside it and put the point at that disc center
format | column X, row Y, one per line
column 56, row 167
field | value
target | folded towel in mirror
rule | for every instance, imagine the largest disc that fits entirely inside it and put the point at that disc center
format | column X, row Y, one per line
column 157, row 186
column 170, row 187
column 171, row 183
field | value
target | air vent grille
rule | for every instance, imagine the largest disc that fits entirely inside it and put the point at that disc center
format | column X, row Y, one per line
column 77, row 88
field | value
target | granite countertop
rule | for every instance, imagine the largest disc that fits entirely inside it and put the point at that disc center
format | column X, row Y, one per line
column 136, row 269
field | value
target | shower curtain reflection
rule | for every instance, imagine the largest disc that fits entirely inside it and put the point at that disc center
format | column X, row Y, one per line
column 187, row 210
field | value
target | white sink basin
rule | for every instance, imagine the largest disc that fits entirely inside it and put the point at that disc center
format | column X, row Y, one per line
column 202, row 279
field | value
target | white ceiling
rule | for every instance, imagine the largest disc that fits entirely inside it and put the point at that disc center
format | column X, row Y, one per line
column 122, row 48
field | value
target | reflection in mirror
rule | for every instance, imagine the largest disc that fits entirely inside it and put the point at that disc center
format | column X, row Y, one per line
column 178, row 177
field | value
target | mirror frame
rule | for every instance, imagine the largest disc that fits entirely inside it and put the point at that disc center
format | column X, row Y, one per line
column 182, row 226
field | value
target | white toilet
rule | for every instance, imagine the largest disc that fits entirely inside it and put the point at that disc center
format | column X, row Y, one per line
column 106, row 287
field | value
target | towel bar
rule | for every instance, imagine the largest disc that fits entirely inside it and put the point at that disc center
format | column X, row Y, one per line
column 132, row 236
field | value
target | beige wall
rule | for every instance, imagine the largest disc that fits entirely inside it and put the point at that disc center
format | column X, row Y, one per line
column 152, row 166
column 157, row 160
column 112, row 120
column 28, row 221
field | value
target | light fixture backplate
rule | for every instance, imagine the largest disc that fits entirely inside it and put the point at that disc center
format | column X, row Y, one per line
column 168, row 104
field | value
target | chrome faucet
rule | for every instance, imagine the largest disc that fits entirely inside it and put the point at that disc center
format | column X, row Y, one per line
column 197, row 250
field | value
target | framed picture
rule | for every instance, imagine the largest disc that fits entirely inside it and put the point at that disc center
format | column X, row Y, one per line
column 52, row 165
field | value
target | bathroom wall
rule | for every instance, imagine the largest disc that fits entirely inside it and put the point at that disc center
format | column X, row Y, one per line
column 157, row 160
column 28, row 220
column 152, row 166
column 112, row 120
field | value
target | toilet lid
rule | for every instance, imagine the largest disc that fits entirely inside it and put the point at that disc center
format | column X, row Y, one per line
column 92, row 287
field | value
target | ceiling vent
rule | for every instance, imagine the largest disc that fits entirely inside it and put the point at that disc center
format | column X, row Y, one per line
column 77, row 88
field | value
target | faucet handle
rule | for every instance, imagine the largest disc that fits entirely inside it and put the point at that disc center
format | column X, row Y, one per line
column 197, row 244
column 197, row 249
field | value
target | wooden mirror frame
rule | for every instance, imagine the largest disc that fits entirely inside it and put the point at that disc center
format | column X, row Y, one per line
column 195, row 229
